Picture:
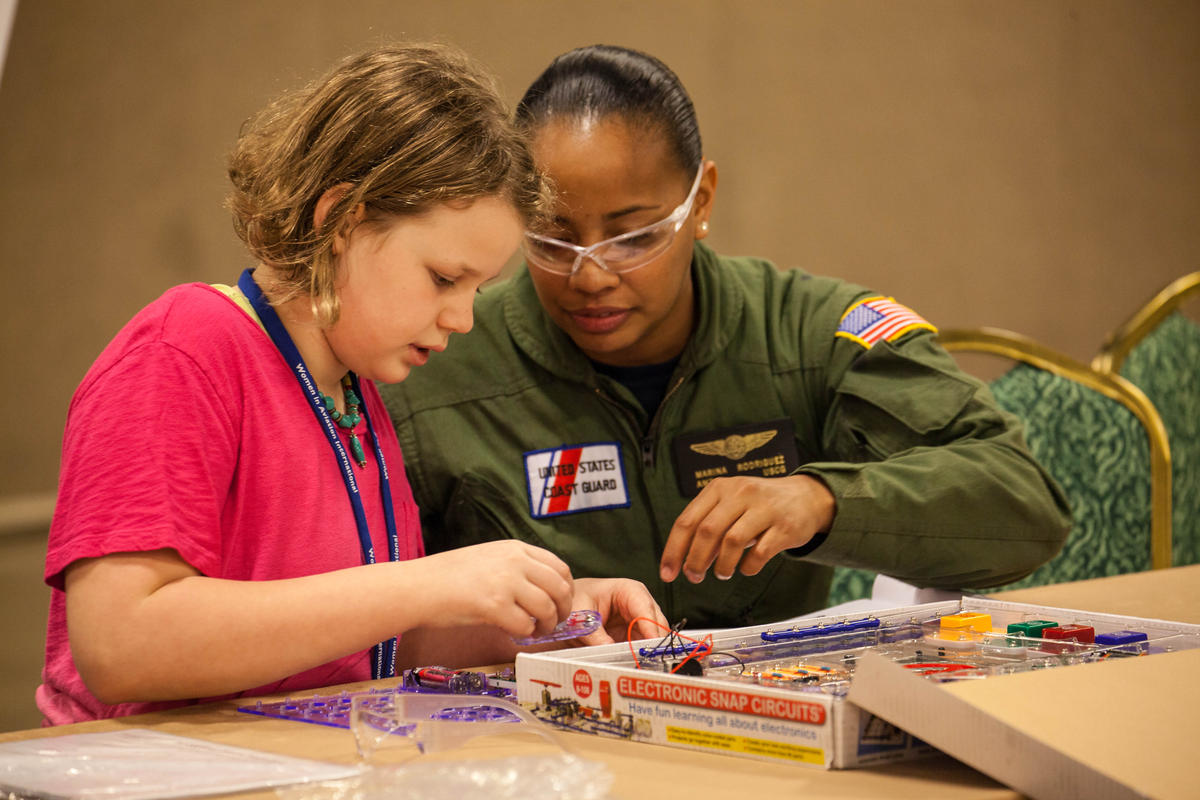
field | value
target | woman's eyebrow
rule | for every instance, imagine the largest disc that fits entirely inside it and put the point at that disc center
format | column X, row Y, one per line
column 565, row 222
column 621, row 212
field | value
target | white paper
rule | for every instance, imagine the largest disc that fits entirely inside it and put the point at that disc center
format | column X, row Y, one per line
column 886, row 593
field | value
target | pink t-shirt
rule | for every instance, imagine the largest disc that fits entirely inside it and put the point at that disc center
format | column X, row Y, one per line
column 191, row 432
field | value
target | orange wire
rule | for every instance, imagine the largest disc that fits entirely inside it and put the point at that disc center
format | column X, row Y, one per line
column 629, row 637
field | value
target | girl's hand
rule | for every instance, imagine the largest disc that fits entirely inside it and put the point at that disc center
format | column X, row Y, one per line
column 619, row 601
column 521, row 589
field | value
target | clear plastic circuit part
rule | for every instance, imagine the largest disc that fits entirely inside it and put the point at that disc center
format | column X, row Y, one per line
column 334, row 710
column 577, row 623
column 432, row 723
column 437, row 722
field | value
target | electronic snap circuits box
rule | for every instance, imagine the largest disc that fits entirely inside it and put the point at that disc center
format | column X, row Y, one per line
column 780, row 692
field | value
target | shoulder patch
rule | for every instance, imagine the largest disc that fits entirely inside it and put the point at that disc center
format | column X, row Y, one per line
column 878, row 319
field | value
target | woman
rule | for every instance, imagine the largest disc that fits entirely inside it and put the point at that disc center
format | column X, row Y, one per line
column 233, row 514
column 652, row 408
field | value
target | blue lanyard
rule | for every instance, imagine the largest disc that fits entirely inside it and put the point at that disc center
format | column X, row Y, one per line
column 383, row 655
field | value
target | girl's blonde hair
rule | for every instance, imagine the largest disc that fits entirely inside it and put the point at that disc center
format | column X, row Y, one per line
column 403, row 127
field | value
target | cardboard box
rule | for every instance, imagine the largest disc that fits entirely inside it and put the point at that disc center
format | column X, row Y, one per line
column 599, row 690
column 1122, row 729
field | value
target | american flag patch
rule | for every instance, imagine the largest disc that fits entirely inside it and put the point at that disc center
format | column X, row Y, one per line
column 878, row 319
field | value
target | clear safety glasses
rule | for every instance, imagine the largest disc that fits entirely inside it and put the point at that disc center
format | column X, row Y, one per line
column 623, row 253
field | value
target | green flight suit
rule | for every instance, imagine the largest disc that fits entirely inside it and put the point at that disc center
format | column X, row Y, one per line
column 934, row 484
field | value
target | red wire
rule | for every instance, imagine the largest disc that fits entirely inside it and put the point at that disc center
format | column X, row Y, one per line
column 703, row 649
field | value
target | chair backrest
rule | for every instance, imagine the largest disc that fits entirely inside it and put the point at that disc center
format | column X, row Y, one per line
column 850, row 584
column 1072, row 414
column 1100, row 438
column 1158, row 350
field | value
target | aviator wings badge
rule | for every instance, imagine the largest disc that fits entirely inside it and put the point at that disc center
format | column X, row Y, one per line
column 735, row 446
column 764, row 449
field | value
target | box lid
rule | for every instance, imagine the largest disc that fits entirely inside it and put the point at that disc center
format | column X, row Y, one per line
column 1124, row 728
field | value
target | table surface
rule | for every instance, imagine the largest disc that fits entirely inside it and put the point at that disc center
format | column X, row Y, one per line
column 642, row 770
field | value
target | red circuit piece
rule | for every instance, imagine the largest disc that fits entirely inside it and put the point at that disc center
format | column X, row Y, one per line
column 1083, row 634
column 929, row 669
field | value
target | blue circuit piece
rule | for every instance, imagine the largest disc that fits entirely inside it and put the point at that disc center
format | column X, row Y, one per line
column 820, row 630
column 668, row 650
column 1120, row 637
column 900, row 633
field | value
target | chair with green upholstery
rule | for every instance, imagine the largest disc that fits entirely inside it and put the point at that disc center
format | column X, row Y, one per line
column 850, row 584
column 1158, row 350
column 1100, row 439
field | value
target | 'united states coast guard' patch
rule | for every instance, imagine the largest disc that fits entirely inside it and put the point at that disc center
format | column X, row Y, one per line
column 879, row 319
column 574, row 478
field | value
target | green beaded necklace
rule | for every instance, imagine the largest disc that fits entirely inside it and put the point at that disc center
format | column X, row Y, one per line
column 348, row 420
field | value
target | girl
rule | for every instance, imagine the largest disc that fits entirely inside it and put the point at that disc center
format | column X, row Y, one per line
column 233, row 512
column 767, row 424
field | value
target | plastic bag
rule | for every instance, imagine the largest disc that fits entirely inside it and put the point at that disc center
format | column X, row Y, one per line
column 540, row 777
column 431, row 723
column 140, row 763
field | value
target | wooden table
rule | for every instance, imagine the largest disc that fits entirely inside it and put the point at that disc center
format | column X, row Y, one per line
column 644, row 770
column 1172, row 594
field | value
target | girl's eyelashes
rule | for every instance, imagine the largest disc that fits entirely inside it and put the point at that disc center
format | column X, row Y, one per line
column 441, row 280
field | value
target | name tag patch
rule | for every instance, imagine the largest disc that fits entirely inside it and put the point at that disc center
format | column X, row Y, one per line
column 574, row 478
column 761, row 450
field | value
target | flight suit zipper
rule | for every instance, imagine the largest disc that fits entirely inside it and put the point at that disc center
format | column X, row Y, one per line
column 647, row 453
column 651, row 435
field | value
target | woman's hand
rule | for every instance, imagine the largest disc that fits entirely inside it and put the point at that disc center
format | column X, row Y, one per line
column 742, row 523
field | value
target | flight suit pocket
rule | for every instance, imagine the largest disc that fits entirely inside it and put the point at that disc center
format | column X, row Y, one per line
column 479, row 513
column 889, row 402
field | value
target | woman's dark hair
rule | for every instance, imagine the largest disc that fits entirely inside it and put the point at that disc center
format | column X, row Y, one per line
column 600, row 80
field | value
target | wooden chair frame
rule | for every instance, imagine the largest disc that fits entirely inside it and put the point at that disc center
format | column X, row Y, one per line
column 1118, row 344
column 1007, row 344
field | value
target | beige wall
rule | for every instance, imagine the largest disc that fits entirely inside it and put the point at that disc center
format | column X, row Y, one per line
column 1030, row 164
column 1033, row 165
